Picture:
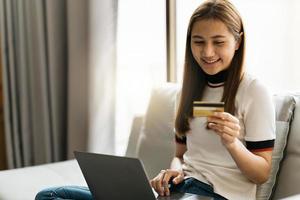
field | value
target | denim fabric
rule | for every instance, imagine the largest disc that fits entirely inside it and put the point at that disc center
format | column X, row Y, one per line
column 65, row 192
column 194, row 186
column 189, row 185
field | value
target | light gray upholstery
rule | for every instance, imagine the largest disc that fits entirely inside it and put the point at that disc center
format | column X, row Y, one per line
column 151, row 139
column 285, row 106
column 24, row 183
column 156, row 142
column 289, row 176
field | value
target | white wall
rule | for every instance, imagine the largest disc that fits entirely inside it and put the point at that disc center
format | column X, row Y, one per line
column 272, row 43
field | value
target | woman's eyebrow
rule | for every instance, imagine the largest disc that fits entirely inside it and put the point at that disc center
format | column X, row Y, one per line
column 213, row 37
column 197, row 37
column 218, row 36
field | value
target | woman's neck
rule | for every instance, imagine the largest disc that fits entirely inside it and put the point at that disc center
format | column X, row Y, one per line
column 217, row 80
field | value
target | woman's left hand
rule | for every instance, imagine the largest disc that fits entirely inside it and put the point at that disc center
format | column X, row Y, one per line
column 226, row 126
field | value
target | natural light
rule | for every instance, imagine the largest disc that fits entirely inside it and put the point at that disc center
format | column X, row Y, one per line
column 271, row 28
column 141, row 60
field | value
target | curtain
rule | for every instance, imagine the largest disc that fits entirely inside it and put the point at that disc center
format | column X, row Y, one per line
column 92, row 69
column 102, row 75
column 58, row 78
column 34, row 81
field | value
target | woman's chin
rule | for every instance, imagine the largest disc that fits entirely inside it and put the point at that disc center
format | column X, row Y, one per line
column 210, row 71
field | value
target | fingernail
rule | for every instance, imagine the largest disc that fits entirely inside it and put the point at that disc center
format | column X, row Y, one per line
column 207, row 127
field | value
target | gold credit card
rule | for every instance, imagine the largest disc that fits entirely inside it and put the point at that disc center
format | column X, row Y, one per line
column 206, row 108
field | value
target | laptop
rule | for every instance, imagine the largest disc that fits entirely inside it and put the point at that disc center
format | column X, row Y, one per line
column 121, row 178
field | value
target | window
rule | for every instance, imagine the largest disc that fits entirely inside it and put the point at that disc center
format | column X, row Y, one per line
column 141, row 60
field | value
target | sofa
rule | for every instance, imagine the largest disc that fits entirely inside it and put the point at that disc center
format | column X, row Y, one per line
column 152, row 140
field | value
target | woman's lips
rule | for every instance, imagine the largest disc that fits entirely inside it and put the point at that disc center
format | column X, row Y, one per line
column 211, row 62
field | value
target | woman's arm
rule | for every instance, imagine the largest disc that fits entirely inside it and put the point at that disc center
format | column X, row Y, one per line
column 161, row 181
column 255, row 165
column 177, row 161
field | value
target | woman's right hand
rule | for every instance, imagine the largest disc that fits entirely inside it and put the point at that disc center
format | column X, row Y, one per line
column 161, row 182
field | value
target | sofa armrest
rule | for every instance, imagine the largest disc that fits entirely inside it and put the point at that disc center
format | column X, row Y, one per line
column 24, row 183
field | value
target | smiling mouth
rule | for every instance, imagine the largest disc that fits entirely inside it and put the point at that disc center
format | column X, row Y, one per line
column 211, row 61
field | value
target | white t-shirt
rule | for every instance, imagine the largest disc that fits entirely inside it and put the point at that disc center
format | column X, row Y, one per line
column 208, row 160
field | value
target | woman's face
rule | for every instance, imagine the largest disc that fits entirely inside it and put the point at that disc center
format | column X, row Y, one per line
column 213, row 46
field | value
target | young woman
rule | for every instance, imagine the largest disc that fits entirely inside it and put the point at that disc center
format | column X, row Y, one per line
column 225, row 155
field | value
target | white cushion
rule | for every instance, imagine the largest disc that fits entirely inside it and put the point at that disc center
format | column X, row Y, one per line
column 156, row 142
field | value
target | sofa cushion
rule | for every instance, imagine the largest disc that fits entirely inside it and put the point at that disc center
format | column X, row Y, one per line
column 156, row 142
column 25, row 183
column 289, row 177
column 285, row 105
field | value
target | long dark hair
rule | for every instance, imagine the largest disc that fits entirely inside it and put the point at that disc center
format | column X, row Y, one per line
column 194, row 79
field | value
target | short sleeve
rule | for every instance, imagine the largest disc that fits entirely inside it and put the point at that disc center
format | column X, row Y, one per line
column 259, row 117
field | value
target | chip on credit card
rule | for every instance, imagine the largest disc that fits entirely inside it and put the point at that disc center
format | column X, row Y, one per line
column 206, row 109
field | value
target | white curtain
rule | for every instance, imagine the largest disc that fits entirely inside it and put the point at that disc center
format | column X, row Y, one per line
column 141, row 60
column 102, row 75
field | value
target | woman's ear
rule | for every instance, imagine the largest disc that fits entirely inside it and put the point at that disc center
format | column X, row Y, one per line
column 238, row 42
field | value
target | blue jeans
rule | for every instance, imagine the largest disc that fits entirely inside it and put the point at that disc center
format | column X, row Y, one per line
column 65, row 192
column 194, row 186
column 189, row 185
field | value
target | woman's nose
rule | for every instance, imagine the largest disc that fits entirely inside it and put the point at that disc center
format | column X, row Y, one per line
column 208, row 50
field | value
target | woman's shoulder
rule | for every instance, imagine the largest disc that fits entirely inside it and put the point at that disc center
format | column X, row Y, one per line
column 252, row 89
column 252, row 85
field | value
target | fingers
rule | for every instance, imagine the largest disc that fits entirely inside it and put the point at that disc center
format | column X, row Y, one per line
column 178, row 179
column 228, row 136
column 161, row 182
column 225, row 116
column 224, row 129
column 156, row 183
column 224, row 123
column 165, row 181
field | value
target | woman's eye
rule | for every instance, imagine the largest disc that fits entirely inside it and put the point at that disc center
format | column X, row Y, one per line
column 199, row 42
column 219, row 43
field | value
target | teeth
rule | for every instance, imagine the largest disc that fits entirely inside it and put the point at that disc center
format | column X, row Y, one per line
column 212, row 61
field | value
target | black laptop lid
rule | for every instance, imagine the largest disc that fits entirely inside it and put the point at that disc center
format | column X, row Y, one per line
column 114, row 178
